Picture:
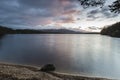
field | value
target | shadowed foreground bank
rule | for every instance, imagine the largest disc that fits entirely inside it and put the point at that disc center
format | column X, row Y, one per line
column 20, row 72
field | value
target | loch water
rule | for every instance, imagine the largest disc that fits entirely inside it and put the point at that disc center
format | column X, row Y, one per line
column 85, row 54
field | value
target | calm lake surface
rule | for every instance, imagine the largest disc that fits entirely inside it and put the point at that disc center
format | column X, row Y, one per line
column 86, row 54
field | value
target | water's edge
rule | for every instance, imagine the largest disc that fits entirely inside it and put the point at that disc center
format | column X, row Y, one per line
column 18, row 72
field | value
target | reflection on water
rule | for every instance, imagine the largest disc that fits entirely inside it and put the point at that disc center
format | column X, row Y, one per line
column 86, row 54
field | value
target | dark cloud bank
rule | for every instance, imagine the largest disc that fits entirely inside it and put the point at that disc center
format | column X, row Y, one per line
column 30, row 13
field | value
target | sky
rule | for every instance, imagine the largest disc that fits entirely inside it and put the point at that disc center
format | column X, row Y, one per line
column 54, row 14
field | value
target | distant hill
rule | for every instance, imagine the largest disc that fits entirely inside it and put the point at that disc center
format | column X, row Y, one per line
column 5, row 30
column 113, row 30
column 45, row 31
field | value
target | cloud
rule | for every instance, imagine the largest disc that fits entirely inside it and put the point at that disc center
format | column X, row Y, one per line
column 54, row 7
column 34, row 12
column 71, row 12
column 68, row 19
column 47, row 12
column 102, row 13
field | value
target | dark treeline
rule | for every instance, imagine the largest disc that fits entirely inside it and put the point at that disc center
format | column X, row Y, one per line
column 113, row 30
column 4, row 30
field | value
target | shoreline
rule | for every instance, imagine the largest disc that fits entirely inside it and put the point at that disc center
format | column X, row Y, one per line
column 26, row 72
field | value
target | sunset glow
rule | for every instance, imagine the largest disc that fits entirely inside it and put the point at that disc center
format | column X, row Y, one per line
column 44, row 14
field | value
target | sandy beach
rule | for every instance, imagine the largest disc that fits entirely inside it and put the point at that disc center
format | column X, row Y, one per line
column 23, row 72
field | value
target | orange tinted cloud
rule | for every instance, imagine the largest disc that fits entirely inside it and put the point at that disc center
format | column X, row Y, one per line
column 65, row 2
column 71, row 12
column 68, row 19
column 43, row 21
column 58, row 24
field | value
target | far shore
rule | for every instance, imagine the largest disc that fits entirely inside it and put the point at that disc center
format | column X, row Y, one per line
column 24, row 72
